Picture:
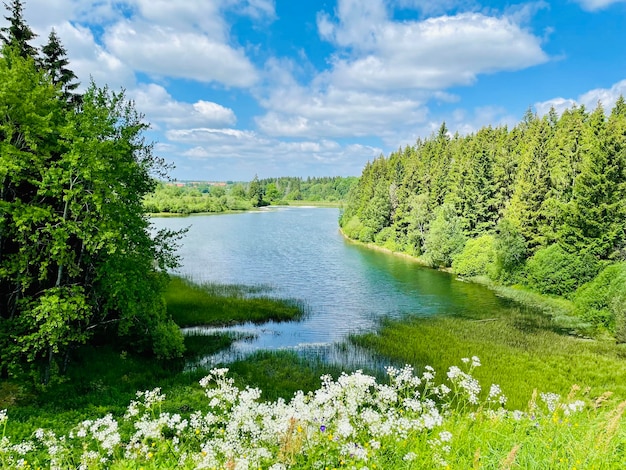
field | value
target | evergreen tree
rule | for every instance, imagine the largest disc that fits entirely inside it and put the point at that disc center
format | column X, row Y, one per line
column 595, row 219
column 54, row 62
column 18, row 33
column 533, row 182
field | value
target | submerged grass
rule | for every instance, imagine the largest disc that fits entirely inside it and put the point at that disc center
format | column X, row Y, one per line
column 192, row 304
column 522, row 351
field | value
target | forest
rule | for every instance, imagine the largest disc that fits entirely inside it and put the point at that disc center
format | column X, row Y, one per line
column 199, row 197
column 541, row 205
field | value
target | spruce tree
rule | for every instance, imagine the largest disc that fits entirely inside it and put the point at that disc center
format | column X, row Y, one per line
column 18, row 34
column 54, row 62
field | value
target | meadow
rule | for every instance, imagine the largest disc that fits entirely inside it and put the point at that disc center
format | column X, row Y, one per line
column 558, row 402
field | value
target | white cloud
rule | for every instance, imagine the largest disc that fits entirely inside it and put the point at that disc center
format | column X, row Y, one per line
column 89, row 60
column 299, row 111
column 385, row 72
column 436, row 53
column 168, row 52
column 232, row 151
column 605, row 96
column 163, row 111
column 558, row 104
column 593, row 5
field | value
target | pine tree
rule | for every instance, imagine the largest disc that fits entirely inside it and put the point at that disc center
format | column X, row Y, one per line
column 18, row 34
column 54, row 62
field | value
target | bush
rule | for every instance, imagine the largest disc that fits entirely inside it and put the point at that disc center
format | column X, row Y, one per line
column 353, row 227
column 387, row 237
column 553, row 270
column 511, row 251
column 445, row 238
column 601, row 301
column 477, row 258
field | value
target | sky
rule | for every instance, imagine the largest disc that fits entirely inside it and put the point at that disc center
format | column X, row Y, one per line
column 238, row 88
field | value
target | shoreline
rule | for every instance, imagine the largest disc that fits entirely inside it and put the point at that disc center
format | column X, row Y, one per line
column 558, row 308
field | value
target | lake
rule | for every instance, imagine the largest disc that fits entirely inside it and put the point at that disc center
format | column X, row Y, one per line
column 298, row 252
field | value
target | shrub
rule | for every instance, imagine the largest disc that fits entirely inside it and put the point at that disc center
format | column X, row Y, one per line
column 353, row 227
column 445, row 238
column 387, row 237
column 477, row 257
column 553, row 270
column 511, row 251
column 601, row 301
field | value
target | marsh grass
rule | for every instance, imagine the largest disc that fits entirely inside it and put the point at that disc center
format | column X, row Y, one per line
column 192, row 304
column 279, row 374
column 522, row 351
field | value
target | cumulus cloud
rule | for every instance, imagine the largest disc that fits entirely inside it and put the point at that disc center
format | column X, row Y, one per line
column 435, row 53
column 385, row 72
column 169, row 52
column 605, row 96
column 188, row 39
column 299, row 111
column 163, row 111
column 89, row 60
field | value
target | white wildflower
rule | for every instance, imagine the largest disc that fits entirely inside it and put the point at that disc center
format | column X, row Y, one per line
column 551, row 400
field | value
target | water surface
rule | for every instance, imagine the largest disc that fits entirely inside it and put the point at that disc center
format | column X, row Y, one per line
column 300, row 253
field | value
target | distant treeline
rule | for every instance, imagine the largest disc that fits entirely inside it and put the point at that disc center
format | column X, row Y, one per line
column 209, row 197
column 542, row 204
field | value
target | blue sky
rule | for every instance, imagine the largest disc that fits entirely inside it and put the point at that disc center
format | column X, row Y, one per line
column 234, row 88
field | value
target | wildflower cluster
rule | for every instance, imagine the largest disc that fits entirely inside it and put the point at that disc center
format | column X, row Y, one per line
column 350, row 422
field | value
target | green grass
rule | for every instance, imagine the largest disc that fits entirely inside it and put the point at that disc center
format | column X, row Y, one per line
column 279, row 374
column 104, row 380
column 192, row 304
column 522, row 351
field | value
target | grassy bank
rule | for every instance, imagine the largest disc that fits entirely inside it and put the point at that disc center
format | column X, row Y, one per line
column 192, row 304
column 523, row 351
column 103, row 380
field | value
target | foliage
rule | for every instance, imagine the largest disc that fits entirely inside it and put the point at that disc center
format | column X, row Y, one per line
column 314, row 189
column 198, row 197
column 76, row 257
column 407, row 422
column 477, row 258
column 600, row 300
column 553, row 270
column 445, row 238
column 55, row 63
column 19, row 33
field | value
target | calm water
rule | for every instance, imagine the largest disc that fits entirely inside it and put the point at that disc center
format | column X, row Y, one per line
column 300, row 253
